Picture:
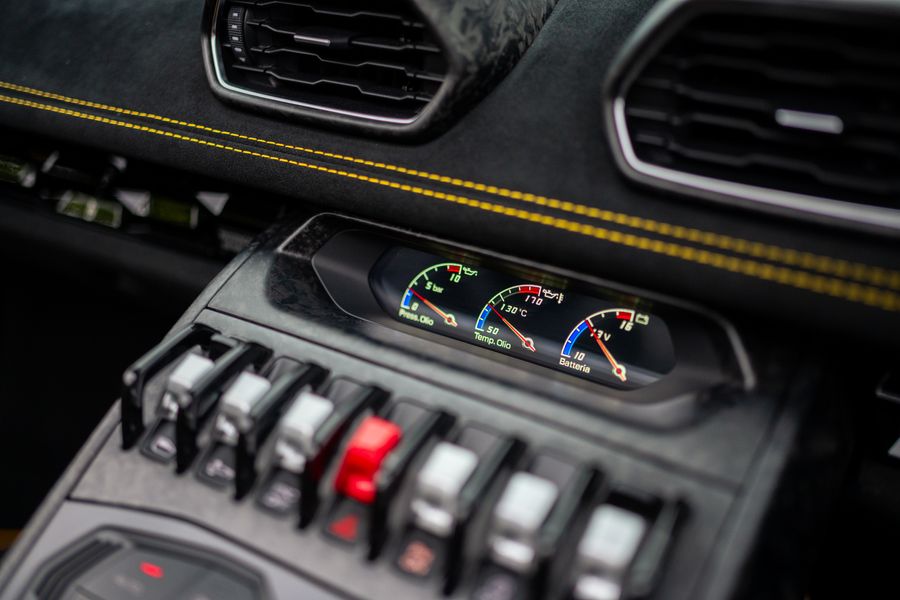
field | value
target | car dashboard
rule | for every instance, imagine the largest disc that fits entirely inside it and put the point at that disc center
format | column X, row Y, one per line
column 514, row 300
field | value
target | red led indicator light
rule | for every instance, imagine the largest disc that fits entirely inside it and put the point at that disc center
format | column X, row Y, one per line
column 453, row 268
column 151, row 570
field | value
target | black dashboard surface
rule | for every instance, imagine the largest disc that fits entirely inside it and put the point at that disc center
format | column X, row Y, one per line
column 527, row 171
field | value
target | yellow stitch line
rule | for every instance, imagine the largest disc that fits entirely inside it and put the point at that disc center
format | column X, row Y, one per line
column 853, row 292
column 823, row 264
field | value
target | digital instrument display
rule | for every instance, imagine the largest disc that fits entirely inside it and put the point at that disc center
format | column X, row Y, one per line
column 603, row 340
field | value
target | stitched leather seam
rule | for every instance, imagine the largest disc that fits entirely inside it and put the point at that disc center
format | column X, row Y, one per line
column 819, row 284
column 788, row 256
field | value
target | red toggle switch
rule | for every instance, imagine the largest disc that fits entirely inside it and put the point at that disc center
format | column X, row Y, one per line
column 366, row 451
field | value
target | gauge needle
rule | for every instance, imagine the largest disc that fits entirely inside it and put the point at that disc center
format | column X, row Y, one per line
column 618, row 370
column 447, row 317
column 527, row 342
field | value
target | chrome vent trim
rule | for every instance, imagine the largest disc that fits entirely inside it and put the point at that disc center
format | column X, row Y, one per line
column 420, row 87
column 661, row 25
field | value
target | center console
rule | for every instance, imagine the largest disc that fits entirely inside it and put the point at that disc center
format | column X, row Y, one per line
column 353, row 411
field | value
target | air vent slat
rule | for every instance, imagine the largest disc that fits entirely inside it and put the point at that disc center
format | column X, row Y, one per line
column 784, row 41
column 776, row 101
column 344, row 9
column 768, row 131
column 826, row 173
column 386, row 93
column 372, row 58
column 350, row 64
column 779, row 73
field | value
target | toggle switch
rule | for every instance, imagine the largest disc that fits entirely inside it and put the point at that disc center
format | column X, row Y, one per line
column 248, row 411
column 218, row 466
column 363, row 457
column 447, row 491
column 529, row 524
column 138, row 375
column 606, row 551
column 160, row 445
column 373, row 466
column 197, row 403
column 522, row 510
column 237, row 402
column 306, row 441
column 439, row 485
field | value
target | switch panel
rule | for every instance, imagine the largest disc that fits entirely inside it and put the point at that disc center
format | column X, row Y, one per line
column 457, row 507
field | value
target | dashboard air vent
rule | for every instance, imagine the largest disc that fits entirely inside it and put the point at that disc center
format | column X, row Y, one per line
column 381, row 65
column 368, row 58
column 794, row 109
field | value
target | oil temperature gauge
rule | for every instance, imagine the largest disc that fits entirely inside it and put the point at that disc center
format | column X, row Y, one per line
column 496, row 324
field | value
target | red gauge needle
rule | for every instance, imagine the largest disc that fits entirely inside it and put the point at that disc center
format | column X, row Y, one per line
column 527, row 342
column 447, row 317
column 618, row 370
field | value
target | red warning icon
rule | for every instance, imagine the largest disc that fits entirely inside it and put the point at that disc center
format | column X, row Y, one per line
column 345, row 528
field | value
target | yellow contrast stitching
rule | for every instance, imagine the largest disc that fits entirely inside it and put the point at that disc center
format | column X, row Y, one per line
column 795, row 258
column 819, row 284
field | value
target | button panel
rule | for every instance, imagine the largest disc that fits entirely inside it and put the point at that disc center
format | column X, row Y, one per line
column 451, row 502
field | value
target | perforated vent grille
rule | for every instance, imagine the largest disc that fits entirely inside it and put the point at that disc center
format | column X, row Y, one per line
column 778, row 102
column 371, row 58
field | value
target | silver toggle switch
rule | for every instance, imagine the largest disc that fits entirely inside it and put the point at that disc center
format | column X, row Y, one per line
column 237, row 403
column 606, row 550
column 188, row 372
column 526, row 503
column 438, row 486
column 296, row 441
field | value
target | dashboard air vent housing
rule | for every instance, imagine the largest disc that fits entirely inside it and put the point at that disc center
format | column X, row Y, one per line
column 787, row 107
column 387, row 65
